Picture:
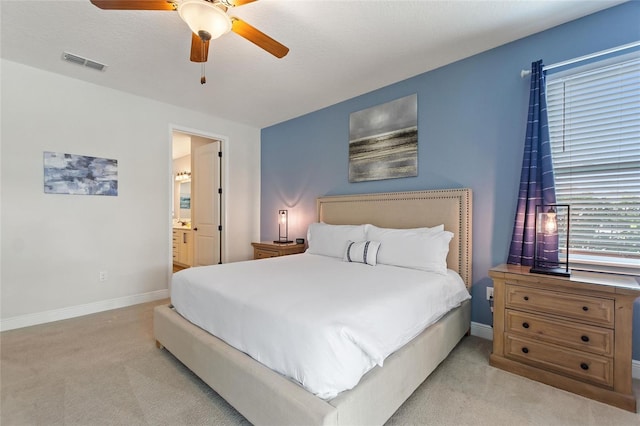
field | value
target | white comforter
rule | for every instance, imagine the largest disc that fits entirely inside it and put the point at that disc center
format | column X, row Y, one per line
column 315, row 319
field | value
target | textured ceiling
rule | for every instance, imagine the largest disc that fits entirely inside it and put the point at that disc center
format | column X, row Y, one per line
column 339, row 49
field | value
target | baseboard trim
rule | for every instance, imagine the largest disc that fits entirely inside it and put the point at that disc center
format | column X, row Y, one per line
column 80, row 310
column 486, row 332
column 481, row 330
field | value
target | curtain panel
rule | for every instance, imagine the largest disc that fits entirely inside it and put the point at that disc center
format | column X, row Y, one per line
column 537, row 185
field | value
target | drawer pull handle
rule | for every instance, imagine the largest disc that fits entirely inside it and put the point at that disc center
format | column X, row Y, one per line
column 526, row 351
column 525, row 324
column 585, row 338
column 526, row 298
column 584, row 366
column 585, row 308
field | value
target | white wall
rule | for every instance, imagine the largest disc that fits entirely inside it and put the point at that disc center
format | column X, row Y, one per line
column 53, row 246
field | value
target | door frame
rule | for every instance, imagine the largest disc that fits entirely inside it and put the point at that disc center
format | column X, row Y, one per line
column 224, row 163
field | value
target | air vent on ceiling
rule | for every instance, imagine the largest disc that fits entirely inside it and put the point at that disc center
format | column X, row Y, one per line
column 70, row 57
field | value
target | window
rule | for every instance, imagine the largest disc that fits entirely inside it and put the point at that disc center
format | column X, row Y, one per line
column 594, row 124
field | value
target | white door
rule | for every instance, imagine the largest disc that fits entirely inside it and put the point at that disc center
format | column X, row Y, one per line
column 205, row 182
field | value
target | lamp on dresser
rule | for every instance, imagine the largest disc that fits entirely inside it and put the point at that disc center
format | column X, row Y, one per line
column 551, row 240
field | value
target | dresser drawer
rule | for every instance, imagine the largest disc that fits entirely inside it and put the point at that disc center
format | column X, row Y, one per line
column 581, row 365
column 584, row 337
column 263, row 254
column 595, row 310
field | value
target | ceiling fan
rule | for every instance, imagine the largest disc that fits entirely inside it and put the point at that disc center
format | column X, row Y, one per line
column 207, row 19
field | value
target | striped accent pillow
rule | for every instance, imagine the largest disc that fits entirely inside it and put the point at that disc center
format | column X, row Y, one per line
column 362, row 252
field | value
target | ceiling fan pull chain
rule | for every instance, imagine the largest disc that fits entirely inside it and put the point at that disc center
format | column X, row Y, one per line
column 203, row 78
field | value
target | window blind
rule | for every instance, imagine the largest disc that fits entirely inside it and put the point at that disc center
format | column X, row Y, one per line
column 594, row 125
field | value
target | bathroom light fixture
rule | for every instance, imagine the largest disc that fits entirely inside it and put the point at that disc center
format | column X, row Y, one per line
column 283, row 227
column 205, row 19
column 551, row 222
column 182, row 176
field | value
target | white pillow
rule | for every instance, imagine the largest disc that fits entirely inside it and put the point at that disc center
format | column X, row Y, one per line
column 331, row 240
column 362, row 252
column 425, row 249
column 374, row 232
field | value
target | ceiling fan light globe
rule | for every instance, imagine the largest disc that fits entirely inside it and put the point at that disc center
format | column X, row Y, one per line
column 201, row 15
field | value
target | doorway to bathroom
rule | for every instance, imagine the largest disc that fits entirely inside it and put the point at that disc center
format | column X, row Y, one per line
column 196, row 200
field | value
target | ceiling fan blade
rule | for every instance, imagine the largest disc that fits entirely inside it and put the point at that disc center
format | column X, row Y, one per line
column 135, row 4
column 199, row 49
column 235, row 3
column 258, row 38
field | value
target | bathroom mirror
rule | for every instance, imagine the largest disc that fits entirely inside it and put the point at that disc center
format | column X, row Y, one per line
column 185, row 200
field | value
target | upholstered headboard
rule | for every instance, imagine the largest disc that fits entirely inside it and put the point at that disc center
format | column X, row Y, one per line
column 451, row 207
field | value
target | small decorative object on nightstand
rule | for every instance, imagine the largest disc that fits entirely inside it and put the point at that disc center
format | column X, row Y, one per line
column 571, row 333
column 269, row 249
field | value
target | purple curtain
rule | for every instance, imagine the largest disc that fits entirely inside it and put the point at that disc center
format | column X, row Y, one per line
column 537, row 184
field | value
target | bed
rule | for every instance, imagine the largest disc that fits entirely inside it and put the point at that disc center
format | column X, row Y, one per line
column 264, row 396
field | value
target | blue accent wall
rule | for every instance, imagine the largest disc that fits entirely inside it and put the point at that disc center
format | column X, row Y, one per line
column 471, row 128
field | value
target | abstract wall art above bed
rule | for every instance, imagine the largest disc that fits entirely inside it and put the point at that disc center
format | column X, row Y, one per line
column 383, row 141
column 79, row 174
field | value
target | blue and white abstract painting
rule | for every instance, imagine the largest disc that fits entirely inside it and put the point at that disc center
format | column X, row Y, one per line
column 79, row 174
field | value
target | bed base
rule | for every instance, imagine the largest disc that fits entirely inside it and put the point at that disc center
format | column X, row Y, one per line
column 265, row 397
column 268, row 398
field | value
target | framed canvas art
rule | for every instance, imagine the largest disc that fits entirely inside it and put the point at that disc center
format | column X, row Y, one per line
column 383, row 141
column 79, row 174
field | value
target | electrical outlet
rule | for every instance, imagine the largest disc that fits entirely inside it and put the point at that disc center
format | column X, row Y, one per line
column 489, row 293
column 102, row 276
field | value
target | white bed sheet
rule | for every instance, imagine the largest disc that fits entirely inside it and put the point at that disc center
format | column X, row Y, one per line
column 318, row 320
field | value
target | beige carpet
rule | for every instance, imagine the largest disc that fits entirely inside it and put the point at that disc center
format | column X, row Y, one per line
column 104, row 369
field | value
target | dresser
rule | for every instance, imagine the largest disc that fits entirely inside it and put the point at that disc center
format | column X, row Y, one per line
column 268, row 249
column 572, row 333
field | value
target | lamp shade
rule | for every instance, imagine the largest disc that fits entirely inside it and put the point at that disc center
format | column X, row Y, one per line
column 202, row 16
column 547, row 222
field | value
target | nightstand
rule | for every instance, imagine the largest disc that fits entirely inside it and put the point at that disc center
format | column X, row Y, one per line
column 572, row 333
column 269, row 249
